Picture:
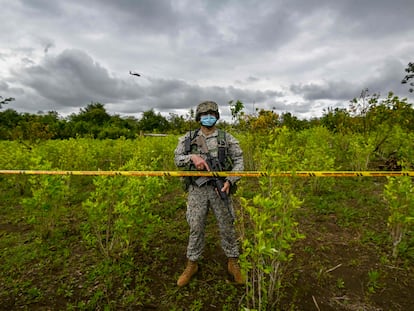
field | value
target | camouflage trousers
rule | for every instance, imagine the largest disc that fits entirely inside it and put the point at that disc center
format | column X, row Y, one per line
column 200, row 200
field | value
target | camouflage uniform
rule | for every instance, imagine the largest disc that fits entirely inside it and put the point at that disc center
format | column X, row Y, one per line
column 200, row 199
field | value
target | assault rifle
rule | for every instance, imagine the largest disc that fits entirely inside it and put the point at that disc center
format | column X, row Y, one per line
column 215, row 166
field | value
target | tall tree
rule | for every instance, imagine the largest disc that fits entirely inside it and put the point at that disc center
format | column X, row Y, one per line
column 94, row 113
column 410, row 75
column 9, row 119
column 152, row 121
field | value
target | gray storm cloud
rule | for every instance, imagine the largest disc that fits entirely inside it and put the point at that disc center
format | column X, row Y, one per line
column 298, row 56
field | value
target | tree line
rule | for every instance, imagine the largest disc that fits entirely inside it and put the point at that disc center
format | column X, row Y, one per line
column 364, row 114
column 92, row 121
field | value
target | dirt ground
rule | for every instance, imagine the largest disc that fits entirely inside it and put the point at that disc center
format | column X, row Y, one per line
column 336, row 267
column 331, row 271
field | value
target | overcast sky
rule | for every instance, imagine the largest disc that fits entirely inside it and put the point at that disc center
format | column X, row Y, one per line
column 298, row 56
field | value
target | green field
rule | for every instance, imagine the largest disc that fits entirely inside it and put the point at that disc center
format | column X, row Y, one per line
column 118, row 243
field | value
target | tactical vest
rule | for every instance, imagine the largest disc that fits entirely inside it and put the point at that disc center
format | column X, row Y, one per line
column 222, row 149
column 222, row 154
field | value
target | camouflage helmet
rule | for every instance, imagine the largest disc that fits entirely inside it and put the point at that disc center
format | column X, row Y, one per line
column 207, row 106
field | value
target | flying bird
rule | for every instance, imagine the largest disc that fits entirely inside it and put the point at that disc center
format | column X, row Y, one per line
column 134, row 73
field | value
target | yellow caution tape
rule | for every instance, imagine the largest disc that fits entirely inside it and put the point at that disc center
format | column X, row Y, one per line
column 216, row 174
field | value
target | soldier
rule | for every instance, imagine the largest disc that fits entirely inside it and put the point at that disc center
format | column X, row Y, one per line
column 195, row 151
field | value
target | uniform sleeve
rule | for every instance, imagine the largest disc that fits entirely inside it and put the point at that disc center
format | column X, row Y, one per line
column 236, row 154
column 180, row 158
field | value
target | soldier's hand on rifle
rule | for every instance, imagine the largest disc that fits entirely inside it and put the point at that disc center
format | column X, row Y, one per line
column 199, row 163
column 226, row 187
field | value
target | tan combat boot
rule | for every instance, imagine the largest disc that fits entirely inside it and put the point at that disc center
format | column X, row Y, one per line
column 234, row 269
column 189, row 271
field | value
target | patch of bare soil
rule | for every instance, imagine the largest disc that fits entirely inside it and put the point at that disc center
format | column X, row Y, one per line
column 334, row 269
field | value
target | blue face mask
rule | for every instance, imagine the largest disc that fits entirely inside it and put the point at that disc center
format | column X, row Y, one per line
column 208, row 120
